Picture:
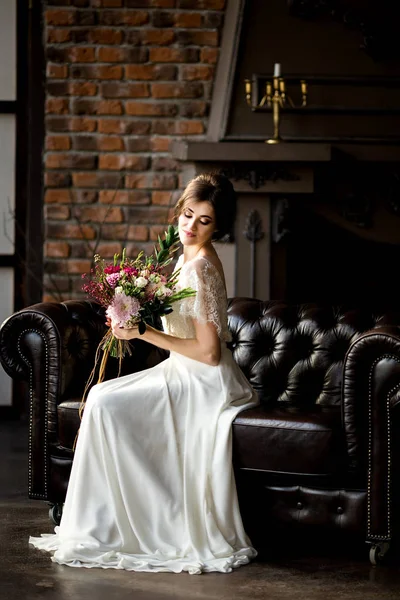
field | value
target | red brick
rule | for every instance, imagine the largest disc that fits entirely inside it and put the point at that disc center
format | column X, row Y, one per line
column 70, row 161
column 84, row 106
column 146, row 180
column 97, row 179
column 84, row 142
column 109, row 107
column 151, row 72
column 78, row 266
column 108, row 249
column 85, row 179
column 156, row 37
column 176, row 90
column 84, row 196
column 202, row 4
column 96, row 72
column 57, row 249
column 159, row 144
column 81, row 54
column 109, row 143
column 163, row 19
column 209, row 55
column 83, row 124
column 57, row 212
column 124, row 126
column 125, row 90
column 118, row 162
column 83, row 89
column 164, row 163
column 158, row 109
column 197, row 37
column 165, row 127
column 139, row 233
column 189, row 127
column 197, row 72
column 193, row 109
column 123, row 17
column 150, row 3
column 56, row 179
column 155, row 231
column 60, row 17
column 56, row 71
column 187, row 19
column 154, row 215
column 123, row 197
column 68, row 230
column 99, row 214
column 133, row 248
column 137, row 55
column 85, row 17
column 138, row 144
column 142, row 181
column 161, row 198
column 111, row 54
column 57, row 88
column 58, row 142
column 58, row 36
column 57, row 106
column 57, row 196
column 174, row 55
column 98, row 35
column 213, row 20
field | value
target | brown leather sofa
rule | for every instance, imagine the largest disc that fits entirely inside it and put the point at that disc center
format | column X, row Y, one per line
column 321, row 452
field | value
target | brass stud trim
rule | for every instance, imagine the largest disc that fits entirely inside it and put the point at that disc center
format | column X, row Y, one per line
column 45, row 454
column 388, row 533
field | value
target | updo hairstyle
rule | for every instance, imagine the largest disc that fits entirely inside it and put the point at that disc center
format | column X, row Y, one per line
column 218, row 191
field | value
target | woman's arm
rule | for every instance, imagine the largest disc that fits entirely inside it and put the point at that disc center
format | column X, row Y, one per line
column 205, row 347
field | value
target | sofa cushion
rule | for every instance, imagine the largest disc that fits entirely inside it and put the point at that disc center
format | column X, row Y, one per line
column 276, row 440
column 292, row 441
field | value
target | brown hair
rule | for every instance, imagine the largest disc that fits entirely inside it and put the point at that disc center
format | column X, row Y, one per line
column 216, row 189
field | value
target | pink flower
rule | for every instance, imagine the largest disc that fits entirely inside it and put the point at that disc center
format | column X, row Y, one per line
column 113, row 279
column 111, row 269
column 130, row 271
column 123, row 309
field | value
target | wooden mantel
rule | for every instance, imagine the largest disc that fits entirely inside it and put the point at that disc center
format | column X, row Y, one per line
column 250, row 151
column 291, row 152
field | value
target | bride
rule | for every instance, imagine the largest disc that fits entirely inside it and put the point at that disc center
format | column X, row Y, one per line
column 152, row 485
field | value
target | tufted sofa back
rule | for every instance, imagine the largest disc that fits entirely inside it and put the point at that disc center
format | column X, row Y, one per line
column 293, row 355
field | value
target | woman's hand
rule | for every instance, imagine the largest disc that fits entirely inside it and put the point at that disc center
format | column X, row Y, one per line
column 124, row 334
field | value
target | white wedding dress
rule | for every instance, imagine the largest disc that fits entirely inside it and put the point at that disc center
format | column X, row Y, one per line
column 152, row 486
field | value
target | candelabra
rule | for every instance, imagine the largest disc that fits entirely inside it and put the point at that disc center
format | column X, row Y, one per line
column 275, row 97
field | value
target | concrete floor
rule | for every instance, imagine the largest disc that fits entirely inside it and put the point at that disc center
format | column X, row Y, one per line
column 27, row 573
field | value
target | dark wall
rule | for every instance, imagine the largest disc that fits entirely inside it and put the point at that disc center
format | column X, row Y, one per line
column 322, row 45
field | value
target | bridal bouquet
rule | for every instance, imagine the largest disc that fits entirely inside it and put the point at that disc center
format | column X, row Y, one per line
column 134, row 291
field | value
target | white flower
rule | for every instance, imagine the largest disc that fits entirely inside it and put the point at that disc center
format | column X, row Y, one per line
column 141, row 282
column 155, row 278
column 119, row 290
column 163, row 291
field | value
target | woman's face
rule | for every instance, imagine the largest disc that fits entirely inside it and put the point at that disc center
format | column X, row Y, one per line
column 196, row 223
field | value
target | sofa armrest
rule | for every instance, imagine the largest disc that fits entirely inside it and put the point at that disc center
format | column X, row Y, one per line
column 51, row 346
column 371, row 386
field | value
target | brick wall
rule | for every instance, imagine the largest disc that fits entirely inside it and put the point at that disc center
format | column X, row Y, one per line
column 124, row 78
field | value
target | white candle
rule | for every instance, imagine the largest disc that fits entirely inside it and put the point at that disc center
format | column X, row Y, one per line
column 277, row 70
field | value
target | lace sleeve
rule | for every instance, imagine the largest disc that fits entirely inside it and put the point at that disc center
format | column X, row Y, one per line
column 209, row 305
